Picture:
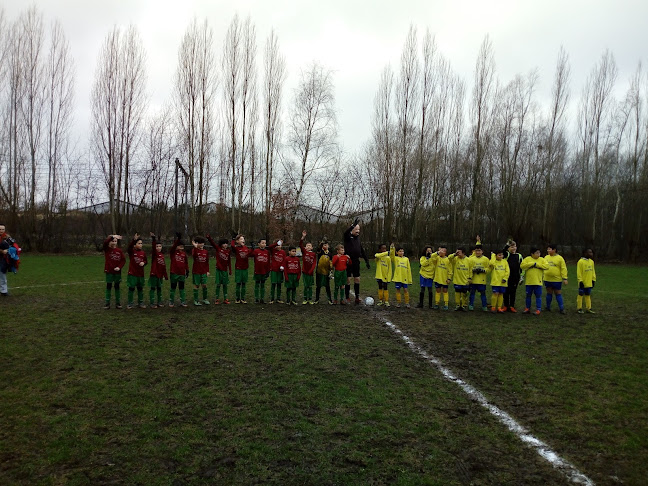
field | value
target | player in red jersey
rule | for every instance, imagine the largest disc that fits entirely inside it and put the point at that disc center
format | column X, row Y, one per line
column 114, row 262
column 292, row 272
column 261, row 270
column 309, row 262
column 179, row 271
column 278, row 255
column 137, row 261
column 158, row 273
column 223, row 267
column 242, row 254
column 199, row 269
column 341, row 262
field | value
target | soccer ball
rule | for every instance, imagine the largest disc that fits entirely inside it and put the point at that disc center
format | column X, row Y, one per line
column 369, row 301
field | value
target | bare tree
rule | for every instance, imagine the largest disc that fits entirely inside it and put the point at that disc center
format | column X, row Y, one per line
column 118, row 103
column 195, row 87
column 312, row 128
column 274, row 77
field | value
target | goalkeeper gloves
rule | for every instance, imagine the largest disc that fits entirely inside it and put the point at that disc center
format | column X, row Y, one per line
column 581, row 285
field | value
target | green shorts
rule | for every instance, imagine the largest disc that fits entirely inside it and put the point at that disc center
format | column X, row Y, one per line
column 308, row 280
column 340, row 278
column 199, row 278
column 113, row 277
column 175, row 278
column 222, row 277
column 133, row 281
column 155, row 282
column 241, row 276
column 260, row 277
column 292, row 282
column 276, row 277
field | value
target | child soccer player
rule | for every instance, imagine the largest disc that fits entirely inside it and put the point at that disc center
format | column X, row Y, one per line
column 223, row 268
column 179, row 271
column 340, row 263
column 199, row 269
column 534, row 265
column 480, row 266
column 500, row 273
column 292, row 272
column 462, row 277
column 137, row 260
column 514, row 260
column 323, row 271
column 114, row 262
column 426, row 276
column 158, row 273
column 276, row 271
column 261, row 270
column 242, row 253
column 383, row 273
column 402, row 275
column 586, row 281
column 309, row 259
column 442, row 276
column 555, row 277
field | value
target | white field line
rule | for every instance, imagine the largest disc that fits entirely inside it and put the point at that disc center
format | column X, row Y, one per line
column 55, row 285
column 566, row 468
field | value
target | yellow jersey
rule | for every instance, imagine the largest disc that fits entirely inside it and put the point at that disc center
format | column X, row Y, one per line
column 461, row 269
column 585, row 272
column 427, row 267
column 479, row 263
column 443, row 269
column 500, row 272
column 557, row 270
column 402, row 270
column 383, row 267
column 535, row 268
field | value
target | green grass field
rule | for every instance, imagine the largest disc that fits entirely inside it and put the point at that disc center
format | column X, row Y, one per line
column 313, row 394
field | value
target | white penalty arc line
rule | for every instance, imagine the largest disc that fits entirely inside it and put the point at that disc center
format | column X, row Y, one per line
column 55, row 285
column 568, row 469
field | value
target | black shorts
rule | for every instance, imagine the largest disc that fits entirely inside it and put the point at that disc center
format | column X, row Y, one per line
column 353, row 270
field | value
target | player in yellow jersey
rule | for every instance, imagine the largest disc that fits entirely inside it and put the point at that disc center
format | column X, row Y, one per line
column 383, row 273
column 426, row 276
column 402, row 276
column 500, row 273
column 534, row 266
column 442, row 276
column 480, row 267
column 554, row 277
column 586, row 281
column 461, row 277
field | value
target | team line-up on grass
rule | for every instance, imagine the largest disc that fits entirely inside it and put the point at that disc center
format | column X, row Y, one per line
column 467, row 271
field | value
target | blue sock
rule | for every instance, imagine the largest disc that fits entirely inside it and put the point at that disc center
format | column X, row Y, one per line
column 472, row 298
column 483, row 297
column 528, row 300
column 538, row 302
column 549, row 297
column 559, row 299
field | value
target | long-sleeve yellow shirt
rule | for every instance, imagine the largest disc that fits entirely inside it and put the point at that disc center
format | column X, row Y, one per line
column 557, row 270
column 427, row 267
column 442, row 270
column 500, row 272
column 462, row 269
column 383, row 267
column 585, row 272
column 479, row 263
column 535, row 268
column 402, row 270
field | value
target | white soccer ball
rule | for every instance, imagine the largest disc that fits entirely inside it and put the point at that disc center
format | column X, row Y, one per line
column 369, row 301
column 281, row 268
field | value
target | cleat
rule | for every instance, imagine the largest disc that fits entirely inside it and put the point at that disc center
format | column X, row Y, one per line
column 118, row 306
column 197, row 302
column 171, row 304
column 205, row 301
column 398, row 306
column 238, row 301
column 226, row 301
column 316, row 302
column 217, row 302
column 107, row 306
column 526, row 311
column 563, row 311
column 357, row 301
column 445, row 307
column 305, row 302
column 142, row 306
column 311, row 302
column 407, row 306
column 271, row 302
column 512, row 309
column 501, row 310
column 458, row 308
column 379, row 303
column 130, row 306
column 243, row 301
column 160, row 304
column 484, row 309
column 537, row 312
column 183, row 303
column 334, row 302
column 279, row 301
column 261, row 301
column 590, row 311
column 471, row 308
column 547, row 309
column 343, row 302
column 436, row 307
column 387, row 304
column 256, row 301
column 494, row 310
column 580, row 311
column 419, row 306
column 153, row 306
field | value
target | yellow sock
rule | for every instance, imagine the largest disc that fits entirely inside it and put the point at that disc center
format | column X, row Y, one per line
column 494, row 301
column 588, row 302
column 500, row 301
column 380, row 294
column 398, row 296
column 464, row 299
column 445, row 299
column 579, row 302
column 437, row 298
column 458, row 299
column 407, row 296
column 386, row 295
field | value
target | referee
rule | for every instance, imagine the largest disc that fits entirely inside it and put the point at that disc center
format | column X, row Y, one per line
column 353, row 248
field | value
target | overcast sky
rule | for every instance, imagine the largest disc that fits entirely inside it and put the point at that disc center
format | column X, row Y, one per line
column 357, row 39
